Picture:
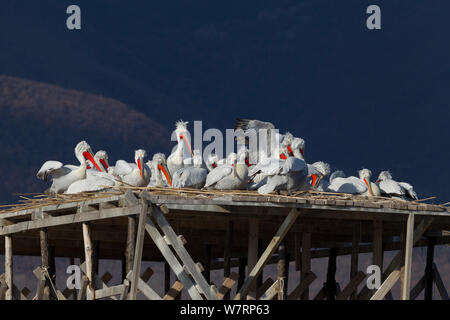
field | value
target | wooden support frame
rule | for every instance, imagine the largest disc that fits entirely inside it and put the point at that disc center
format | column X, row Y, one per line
column 354, row 262
column 227, row 255
column 253, row 237
column 8, row 268
column 303, row 286
column 331, row 275
column 406, row 289
column 281, row 270
column 273, row 245
column 305, row 262
column 439, row 283
column 428, row 278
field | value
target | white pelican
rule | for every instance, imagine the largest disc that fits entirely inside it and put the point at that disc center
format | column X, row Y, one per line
column 191, row 177
column 354, row 185
column 291, row 175
column 390, row 187
column 212, row 162
column 95, row 181
column 316, row 172
column 64, row 175
column 160, row 174
column 229, row 177
column 136, row 174
column 175, row 160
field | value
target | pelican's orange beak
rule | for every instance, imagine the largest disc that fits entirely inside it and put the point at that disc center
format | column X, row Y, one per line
column 163, row 169
column 90, row 157
column 301, row 151
column 314, row 179
column 290, row 151
column 368, row 186
column 139, row 163
column 214, row 165
column 247, row 162
column 183, row 137
column 104, row 163
column 283, row 156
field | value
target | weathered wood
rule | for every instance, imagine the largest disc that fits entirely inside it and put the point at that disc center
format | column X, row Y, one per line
column 95, row 257
column 429, row 269
column 331, row 275
column 166, row 277
column 351, row 286
column 386, row 286
column 174, row 291
column 108, row 292
column 439, row 283
column 145, row 207
column 88, row 260
column 227, row 255
column 207, row 263
column 172, row 260
column 143, row 287
column 281, row 270
column 226, row 286
column 271, row 292
column 377, row 246
column 253, row 235
column 305, row 262
column 263, row 288
column 417, row 288
column 303, row 286
column 8, row 268
column 242, row 263
column 297, row 251
column 131, row 244
column 322, row 294
column 183, row 255
column 273, row 245
column 3, row 287
column 39, row 274
column 356, row 239
column 406, row 289
column 83, row 288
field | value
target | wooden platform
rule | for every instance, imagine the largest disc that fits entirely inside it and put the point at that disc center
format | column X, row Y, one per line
column 230, row 226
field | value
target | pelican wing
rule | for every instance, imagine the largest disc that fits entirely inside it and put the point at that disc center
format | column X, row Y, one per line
column 218, row 174
column 352, row 185
column 267, row 166
column 409, row 190
column 91, row 183
column 51, row 168
column 391, row 187
column 122, row 168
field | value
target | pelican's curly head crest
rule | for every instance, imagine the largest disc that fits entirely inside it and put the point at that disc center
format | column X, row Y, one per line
column 181, row 125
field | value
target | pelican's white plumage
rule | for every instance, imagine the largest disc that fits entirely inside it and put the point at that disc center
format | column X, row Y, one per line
column 93, row 182
column 191, row 177
column 229, row 177
column 176, row 159
column 389, row 186
column 135, row 174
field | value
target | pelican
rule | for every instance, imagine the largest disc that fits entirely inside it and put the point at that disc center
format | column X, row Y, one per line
column 64, row 175
column 212, row 162
column 291, row 175
column 390, row 187
column 353, row 185
column 317, row 171
column 95, row 181
column 175, row 160
column 192, row 177
column 136, row 174
column 229, row 176
column 158, row 167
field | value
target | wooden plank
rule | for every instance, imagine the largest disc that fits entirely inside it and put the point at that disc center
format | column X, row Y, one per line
column 143, row 287
column 406, row 289
column 227, row 255
column 3, row 287
column 131, row 244
column 306, row 263
column 263, row 288
column 253, row 235
column 273, row 245
column 322, row 294
column 281, row 270
column 39, row 274
column 145, row 207
column 417, row 289
column 190, row 265
column 108, row 292
column 386, row 286
column 174, row 291
column 271, row 292
column 439, row 283
column 172, row 260
column 226, row 286
column 297, row 251
column 331, row 275
column 8, row 268
column 429, row 269
column 377, row 244
column 83, row 288
column 88, row 260
column 356, row 239
column 397, row 260
column 303, row 286
column 351, row 286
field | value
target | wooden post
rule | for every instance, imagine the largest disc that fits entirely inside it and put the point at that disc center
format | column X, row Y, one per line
column 429, row 269
column 227, row 255
column 96, row 257
column 259, row 280
column 241, row 271
column 207, row 263
column 74, row 292
column 356, row 239
column 377, row 246
column 131, row 244
column 8, row 267
column 45, row 260
column 305, row 262
column 253, row 235
column 281, row 268
column 406, row 289
column 166, row 277
column 88, row 259
column 139, row 247
column 331, row 274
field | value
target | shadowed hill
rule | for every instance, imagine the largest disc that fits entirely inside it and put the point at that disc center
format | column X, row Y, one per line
column 44, row 122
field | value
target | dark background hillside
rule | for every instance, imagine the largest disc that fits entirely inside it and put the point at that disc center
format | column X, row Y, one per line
column 377, row 99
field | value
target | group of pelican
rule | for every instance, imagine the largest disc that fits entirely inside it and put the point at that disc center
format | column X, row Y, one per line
column 281, row 167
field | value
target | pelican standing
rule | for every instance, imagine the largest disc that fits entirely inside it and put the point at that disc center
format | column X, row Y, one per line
column 175, row 160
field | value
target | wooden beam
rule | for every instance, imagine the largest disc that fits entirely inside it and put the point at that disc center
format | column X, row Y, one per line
column 386, row 286
column 145, row 207
column 303, row 286
column 83, row 288
column 88, row 260
column 227, row 255
column 8, row 268
column 356, row 239
column 331, row 275
column 281, row 270
column 406, row 289
column 271, row 292
column 377, row 244
column 273, row 245
column 226, row 286
column 418, row 288
column 305, row 262
column 143, row 287
column 263, row 288
column 166, row 277
column 174, row 291
column 207, row 263
column 253, row 235
column 439, row 283
column 351, row 286
column 429, row 269
column 242, row 263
